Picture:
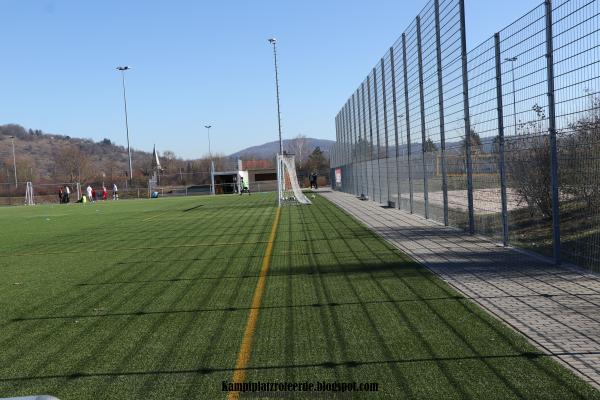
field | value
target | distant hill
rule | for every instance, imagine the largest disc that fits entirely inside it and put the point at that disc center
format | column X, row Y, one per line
column 45, row 156
column 50, row 157
column 302, row 150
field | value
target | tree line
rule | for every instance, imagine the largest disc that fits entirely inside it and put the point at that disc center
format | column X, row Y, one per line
column 50, row 158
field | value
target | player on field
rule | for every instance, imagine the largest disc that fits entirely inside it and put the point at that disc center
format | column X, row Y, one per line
column 244, row 186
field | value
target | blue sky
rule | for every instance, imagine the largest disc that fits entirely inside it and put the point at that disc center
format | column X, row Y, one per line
column 199, row 62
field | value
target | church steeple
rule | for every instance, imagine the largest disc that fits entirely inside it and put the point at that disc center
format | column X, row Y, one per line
column 155, row 161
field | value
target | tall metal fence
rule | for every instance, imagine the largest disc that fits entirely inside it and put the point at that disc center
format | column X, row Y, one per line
column 501, row 140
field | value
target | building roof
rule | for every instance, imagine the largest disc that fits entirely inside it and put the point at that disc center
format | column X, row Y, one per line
column 249, row 165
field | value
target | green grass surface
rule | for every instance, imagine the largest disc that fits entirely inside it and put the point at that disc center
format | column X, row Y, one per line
column 149, row 300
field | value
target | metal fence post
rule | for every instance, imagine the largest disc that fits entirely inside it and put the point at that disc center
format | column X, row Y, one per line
column 338, row 161
column 353, row 146
column 376, row 102
column 338, row 150
column 407, row 112
column 333, row 161
column 422, row 104
column 341, row 154
column 346, row 160
column 343, row 146
column 350, row 146
column 357, row 142
column 501, row 140
column 367, row 144
column 552, row 132
column 394, row 104
column 440, row 75
column 349, row 151
column 371, row 135
column 338, row 144
column 386, row 132
column 350, row 164
column 465, row 79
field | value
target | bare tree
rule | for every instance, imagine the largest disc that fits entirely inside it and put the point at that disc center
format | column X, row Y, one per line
column 298, row 146
column 579, row 147
column 528, row 164
column 72, row 164
column 169, row 162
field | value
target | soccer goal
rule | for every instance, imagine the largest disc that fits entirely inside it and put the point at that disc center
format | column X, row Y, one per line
column 29, row 194
column 287, row 181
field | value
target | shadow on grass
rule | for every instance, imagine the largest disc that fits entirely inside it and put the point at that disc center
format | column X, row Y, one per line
column 233, row 309
column 74, row 300
column 326, row 365
column 477, row 266
column 333, row 269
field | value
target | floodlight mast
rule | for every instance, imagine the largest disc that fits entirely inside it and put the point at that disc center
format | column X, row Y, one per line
column 212, row 165
column 123, row 69
column 280, row 169
column 273, row 41
column 12, row 138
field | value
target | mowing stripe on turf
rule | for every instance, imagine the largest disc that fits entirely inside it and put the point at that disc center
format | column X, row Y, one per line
column 239, row 374
column 154, row 216
column 133, row 248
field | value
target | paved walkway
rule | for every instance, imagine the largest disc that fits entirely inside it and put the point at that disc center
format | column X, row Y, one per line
column 556, row 308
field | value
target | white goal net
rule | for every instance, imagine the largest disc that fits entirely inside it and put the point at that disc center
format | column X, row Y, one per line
column 29, row 194
column 289, row 189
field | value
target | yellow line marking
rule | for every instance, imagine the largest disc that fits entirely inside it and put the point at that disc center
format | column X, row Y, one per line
column 239, row 374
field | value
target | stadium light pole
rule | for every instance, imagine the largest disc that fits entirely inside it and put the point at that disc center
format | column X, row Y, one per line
column 123, row 69
column 212, row 165
column 512, row 60
column 273, row 41
column 12, row 138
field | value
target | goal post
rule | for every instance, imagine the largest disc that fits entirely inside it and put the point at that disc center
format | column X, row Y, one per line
column 288, row 188
column 29, row 194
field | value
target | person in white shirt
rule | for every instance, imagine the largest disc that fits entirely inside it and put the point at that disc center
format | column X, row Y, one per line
column 89, row 193
column 115, row 192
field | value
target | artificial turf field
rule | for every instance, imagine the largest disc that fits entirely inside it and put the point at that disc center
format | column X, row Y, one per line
column 150, row 299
